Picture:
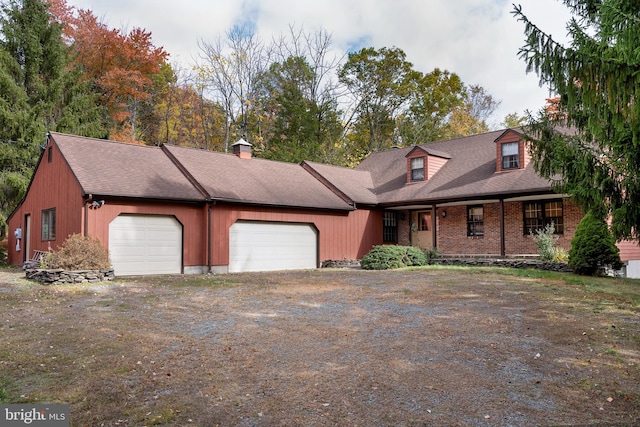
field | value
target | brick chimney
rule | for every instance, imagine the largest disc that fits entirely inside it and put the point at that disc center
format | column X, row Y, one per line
column 242, row 149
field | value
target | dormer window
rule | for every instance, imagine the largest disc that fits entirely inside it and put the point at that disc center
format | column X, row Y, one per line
column 417, row 169
column 510, row 155
column 423, row 164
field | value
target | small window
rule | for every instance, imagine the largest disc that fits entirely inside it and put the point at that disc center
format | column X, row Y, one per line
column 417, row 169
column 390, row 227
column 510, row 155
column 475, row 221
column 424, row 221
column 49, row 224
column 49, row 155
column 538, row 214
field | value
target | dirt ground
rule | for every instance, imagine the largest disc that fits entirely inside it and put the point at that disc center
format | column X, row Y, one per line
column 441, row 347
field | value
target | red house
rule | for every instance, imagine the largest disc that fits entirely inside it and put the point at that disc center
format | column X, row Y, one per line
column 171, row 209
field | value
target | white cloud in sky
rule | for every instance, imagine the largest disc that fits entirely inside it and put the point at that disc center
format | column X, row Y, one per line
column 477, row 39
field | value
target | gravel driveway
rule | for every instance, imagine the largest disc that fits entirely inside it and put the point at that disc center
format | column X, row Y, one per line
column 327, row 347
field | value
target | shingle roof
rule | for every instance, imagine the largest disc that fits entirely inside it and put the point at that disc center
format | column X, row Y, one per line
column 469, row 173
column 229, row 178
column 117, row 169
column 177, row 173
column 357, row 185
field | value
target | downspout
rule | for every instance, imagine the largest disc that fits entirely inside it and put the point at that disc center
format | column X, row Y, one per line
column 209, row 234
column 86, row 215
column 502, row 238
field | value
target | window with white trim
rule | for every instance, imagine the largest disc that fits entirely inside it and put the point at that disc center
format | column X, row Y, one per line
column 417, row 169
column 510, row 155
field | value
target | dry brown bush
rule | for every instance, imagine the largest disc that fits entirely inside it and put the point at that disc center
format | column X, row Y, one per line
column 80, row 253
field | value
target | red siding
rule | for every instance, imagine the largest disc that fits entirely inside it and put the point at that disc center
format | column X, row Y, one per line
column 341, row 234
column 53, row 186
column 192, row 218
column 629, row 250
column 347, row 235
column 434, row 165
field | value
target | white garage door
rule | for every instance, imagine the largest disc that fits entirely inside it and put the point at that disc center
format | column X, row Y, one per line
column 145, row 244
column 266, row 246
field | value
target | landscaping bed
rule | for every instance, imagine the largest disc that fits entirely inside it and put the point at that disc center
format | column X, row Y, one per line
column 430, row 346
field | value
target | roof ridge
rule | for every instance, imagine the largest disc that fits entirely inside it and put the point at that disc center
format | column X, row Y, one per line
column 326, row 182
column 110, row 141
column 183, row 170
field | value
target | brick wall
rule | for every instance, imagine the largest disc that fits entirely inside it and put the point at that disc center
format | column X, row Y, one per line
column 517, row 243
column 452, row 232
column 404, row 228
column 453, row 239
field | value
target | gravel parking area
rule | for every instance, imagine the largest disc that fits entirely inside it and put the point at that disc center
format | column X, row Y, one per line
column 436, row 346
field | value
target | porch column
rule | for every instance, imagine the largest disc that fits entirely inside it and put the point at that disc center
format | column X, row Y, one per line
column 502, row 245
column 434, row 235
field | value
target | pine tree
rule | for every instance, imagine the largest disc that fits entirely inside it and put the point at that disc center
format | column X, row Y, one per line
column 597, row 78
column 38, row 92
column 593, row 248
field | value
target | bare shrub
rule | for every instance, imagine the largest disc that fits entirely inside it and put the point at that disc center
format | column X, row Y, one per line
column 80, row 253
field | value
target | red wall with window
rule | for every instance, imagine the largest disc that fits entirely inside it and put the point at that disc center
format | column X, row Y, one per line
column 53, row 186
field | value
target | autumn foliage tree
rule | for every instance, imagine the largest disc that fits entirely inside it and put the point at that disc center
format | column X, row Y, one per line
column 39, row 91
column 120, row 65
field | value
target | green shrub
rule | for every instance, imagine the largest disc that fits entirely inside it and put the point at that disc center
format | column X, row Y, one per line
column 545, row 241
column 3, row 252
column 593, row 248
column 432, row 253
column 390, row 257
column 79, row 253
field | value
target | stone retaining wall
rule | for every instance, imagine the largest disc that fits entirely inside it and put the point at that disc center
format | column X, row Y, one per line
column 344, row 263
column 58, row 276
column 504, row 262
column 479, row 262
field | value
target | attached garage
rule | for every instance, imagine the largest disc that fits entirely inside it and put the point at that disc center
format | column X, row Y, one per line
column 267, row 246
column 145, row 244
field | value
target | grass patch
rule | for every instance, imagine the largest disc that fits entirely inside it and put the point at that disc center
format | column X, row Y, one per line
column 621, row 290
column 191, row 281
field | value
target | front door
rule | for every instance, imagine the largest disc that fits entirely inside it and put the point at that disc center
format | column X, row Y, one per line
column 421, row 229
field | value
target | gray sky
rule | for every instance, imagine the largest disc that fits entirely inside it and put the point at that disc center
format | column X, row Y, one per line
column 477, row 39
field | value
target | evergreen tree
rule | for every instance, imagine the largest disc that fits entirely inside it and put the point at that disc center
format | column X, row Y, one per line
column 38, row 93
column 593, row 248
column 301, row 128
column 597, row 78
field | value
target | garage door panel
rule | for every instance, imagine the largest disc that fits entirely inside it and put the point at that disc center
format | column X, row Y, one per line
column 145, row 244
column 162, row 251
column 265, row 246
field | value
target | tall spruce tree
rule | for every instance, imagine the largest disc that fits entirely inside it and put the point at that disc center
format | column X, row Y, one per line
column 38, row 92
column 597, row 78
